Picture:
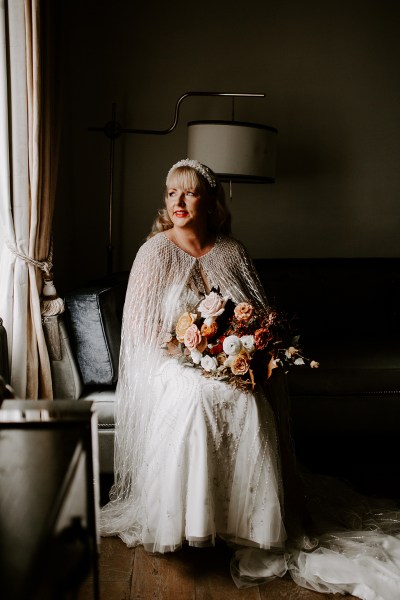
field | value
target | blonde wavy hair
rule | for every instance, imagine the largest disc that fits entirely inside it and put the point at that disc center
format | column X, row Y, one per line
column 219, row 220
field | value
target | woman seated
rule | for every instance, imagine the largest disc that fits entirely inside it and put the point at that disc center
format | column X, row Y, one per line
column 197, row 457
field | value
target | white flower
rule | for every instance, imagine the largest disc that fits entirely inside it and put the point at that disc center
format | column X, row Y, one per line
column 248, row 342
column 314, row 364
column 232, row 345
column 196, row 356
column 299, row 361
column 209, row 363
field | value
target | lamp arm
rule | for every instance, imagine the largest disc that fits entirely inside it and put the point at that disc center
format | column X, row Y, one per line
column 112, row 129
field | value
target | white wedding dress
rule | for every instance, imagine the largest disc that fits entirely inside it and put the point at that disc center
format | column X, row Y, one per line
column 196, row 458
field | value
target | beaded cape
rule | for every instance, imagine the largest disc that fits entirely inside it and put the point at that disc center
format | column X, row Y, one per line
column 164, row 281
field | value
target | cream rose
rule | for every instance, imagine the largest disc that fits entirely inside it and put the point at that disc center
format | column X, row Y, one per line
column 184, row 322
column 212, row 306
column 196, row 356
column 209, row 363
column 192, row 337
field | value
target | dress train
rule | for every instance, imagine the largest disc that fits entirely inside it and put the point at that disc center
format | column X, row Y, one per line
column 354, row 546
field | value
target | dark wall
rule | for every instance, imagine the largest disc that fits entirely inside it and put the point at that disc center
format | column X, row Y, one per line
column 332, row 83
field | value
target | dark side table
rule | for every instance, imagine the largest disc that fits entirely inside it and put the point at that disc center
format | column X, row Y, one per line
column 48, row 499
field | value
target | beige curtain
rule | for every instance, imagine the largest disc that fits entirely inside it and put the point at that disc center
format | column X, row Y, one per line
column 27, row 185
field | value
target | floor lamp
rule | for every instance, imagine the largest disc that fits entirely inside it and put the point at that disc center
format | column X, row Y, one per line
column 236, row 151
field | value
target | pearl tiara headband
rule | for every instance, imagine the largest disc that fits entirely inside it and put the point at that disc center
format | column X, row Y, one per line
column 197, row 166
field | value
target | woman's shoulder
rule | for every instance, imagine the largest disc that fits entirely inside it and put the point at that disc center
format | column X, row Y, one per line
column 152, row 246
column 232, row 244
column 149, row 254
column 152, row 260
column 235, row 252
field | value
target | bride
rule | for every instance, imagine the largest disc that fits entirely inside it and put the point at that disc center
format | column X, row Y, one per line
column 197, row 458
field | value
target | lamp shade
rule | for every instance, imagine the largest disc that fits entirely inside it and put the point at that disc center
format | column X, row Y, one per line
column 235, row 151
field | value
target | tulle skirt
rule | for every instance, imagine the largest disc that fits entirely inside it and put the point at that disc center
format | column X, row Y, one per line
column 211, row 465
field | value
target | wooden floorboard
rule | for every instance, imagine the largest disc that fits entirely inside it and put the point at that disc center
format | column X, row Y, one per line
column 212, row 575
column 188, row 574
column 162, row 577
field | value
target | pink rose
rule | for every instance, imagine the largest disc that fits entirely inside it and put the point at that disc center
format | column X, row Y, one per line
column 192, row 337
column 212, row 306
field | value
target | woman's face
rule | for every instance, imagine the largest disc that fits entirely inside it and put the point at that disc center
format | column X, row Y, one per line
column 186, row 206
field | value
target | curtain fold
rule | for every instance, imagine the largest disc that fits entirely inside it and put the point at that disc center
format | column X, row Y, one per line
column 27, row 180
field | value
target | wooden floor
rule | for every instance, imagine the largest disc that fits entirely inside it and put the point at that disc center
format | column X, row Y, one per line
column 190, row 574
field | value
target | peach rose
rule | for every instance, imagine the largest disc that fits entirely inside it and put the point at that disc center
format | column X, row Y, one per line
column 243, row 311
column 192, row 337
column 184, row 322
column 241, row 365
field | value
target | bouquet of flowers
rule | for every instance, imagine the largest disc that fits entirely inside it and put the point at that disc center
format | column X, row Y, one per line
column 236, row 343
